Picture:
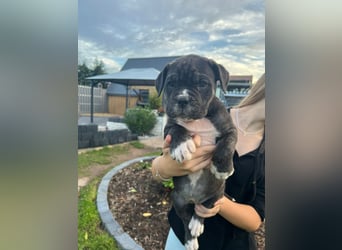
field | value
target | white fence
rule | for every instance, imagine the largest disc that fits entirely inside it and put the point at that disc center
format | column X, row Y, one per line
column 84, row 100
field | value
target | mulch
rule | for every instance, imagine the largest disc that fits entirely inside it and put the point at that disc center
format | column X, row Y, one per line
column 140, row 205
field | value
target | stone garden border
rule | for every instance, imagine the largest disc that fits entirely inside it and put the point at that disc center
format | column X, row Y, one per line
column 125, row 242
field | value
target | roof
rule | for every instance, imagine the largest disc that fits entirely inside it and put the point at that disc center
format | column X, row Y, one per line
column 119, row 90
column 160, row 62
column 137, row 77
column 247, row 78
column 240, row 80
column 144, row 71
column 148, row 62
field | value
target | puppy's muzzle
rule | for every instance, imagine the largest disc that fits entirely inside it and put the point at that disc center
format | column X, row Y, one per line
column 182, row 100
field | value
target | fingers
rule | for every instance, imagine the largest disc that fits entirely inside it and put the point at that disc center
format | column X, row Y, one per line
column 204, row 212
column 200, row 155
column 196, row 164
column 219, row 202
column 209, row 212
column 197, row 140
column 191, row 144
column 167, row 141
column 205, row 151
column 200, row 158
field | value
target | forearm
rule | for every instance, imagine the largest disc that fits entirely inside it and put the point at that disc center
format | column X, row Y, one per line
column 163, row 167
column 158, row 170
column 241, row 215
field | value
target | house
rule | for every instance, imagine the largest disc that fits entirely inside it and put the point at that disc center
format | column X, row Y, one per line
column 238, row 86
column 157, row 63
column 137, row 95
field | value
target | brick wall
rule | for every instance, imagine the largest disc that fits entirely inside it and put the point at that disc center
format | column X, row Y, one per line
column 89, row 137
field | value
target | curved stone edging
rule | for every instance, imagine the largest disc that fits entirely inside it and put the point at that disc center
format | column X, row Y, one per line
column 125, row 242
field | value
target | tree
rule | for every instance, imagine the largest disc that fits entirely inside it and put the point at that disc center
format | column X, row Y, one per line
column 98, row 68
column 84, row 71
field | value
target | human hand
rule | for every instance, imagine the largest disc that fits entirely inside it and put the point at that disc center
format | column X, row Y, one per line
column 200, row 158
column 204, row 212
column 168, row 138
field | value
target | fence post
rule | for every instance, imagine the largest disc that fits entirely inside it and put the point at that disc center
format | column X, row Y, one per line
column 92, row 102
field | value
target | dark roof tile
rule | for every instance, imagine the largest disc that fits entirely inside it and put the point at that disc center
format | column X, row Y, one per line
column 149, row 62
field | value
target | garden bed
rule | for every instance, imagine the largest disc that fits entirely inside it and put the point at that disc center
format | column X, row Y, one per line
column 140, row 205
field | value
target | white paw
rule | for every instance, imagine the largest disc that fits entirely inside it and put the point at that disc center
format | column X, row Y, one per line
column 196, row 227
column 184, row 151
column 220, row 175
column 192, row 244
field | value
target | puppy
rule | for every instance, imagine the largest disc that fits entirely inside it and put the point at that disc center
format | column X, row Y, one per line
column 189, row 85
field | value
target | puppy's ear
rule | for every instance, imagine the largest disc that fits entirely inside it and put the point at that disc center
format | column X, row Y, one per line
column 160, row 81
column 221, row 74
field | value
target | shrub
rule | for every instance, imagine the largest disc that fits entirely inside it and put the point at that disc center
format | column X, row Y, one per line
column 140, row 120
column 154, row 101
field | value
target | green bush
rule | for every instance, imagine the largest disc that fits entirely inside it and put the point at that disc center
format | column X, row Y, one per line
column 140, row 120
column 154, row 101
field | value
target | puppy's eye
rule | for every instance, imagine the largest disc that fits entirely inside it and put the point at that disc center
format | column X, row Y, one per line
column 171, row 84
column 202, row 84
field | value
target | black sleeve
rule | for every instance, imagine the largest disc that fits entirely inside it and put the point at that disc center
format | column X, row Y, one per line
column 258, row 203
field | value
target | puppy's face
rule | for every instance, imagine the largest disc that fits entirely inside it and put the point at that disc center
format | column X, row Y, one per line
column 188, row 94
column 189, row 85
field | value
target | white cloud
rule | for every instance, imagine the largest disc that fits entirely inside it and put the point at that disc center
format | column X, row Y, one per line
column 89, row 51
column 231, row 32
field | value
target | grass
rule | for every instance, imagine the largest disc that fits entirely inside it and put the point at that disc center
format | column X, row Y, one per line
column 137, row 144
column 90, row 234
column 104, row 155
column 101, row 156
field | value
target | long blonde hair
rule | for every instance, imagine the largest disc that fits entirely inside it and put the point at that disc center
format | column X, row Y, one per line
column 257, row 93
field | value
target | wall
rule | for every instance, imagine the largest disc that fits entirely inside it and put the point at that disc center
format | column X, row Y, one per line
column 89, row 137
column 117, row 104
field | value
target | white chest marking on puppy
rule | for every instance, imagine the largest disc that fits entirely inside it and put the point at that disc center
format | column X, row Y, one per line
column 194, row 177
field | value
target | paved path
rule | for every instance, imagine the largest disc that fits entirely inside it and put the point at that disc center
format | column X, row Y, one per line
column 152, row 141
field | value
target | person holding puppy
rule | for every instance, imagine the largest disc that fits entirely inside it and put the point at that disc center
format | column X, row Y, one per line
column 231, row 222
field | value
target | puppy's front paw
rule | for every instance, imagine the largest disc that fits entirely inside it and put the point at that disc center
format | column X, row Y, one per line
column 183, row 151
column 220, row 175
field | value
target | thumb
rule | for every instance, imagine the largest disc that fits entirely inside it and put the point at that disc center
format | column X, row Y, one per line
column 197, row 140
column 167, row 141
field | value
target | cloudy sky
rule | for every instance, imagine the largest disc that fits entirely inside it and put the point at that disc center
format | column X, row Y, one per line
column 232, row 32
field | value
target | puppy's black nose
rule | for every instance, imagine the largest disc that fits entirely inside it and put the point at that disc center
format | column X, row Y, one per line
column 183, row 100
